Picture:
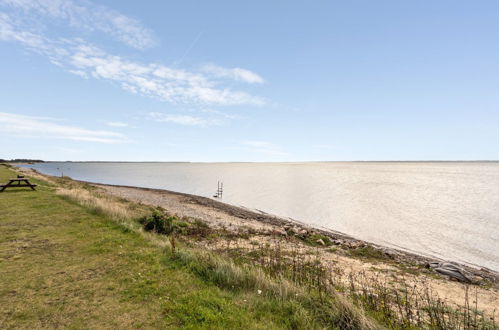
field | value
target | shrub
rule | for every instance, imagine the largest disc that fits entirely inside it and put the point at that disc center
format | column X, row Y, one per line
column 158, row 222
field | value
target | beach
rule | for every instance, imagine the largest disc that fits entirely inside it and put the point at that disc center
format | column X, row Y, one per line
column 266, row 229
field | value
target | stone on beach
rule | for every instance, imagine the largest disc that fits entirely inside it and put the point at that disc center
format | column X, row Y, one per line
column 320, row 242
column 451, row 270
column 303, row 233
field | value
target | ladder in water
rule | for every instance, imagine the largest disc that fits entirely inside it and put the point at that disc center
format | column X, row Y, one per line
column 220, row 190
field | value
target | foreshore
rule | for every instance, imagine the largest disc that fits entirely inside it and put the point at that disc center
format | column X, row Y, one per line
column 224, row 215
column 266, row 229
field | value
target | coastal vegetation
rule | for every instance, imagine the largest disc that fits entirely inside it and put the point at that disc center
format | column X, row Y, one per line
column 75, row 256
column 19, row 160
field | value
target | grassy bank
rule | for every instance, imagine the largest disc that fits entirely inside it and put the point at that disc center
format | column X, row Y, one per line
column 65, row 261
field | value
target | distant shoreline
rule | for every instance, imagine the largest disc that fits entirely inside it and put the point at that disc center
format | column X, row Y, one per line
column 249, row 162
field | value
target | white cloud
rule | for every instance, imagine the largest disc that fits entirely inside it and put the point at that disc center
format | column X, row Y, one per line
column 183, row 119
column 117, row 124
column 153, row 80
column 28, row 126
column 88, row 16
column 80, row 73
column 263, row 147
column 237, row 74
column 220, row 114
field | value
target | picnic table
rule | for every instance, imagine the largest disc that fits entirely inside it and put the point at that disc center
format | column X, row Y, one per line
column 17, row 182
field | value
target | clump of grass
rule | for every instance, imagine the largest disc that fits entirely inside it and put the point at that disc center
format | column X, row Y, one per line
column 198, row 228
column 314, row 240
column 367, row 252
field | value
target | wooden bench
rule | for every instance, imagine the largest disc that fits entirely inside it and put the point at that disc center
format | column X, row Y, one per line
column 17, row 183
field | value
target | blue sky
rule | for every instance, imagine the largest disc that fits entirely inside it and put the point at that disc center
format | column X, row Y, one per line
column 249, row 81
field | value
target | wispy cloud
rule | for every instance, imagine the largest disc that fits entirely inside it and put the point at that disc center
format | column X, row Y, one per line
column 183, row 119
column 154, row 80
column 87, row 16
column 86, row 60
column 237, row 74
column 263, row 147
column 36, row 127
column 117, row 124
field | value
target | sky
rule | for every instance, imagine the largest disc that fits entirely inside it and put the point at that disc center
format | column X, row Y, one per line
column 254, row 80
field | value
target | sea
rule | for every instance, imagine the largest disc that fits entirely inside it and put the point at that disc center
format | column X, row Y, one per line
column 447, row 210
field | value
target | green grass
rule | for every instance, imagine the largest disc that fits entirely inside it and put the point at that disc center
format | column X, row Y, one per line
column 368, row 253
column 313, row 240
column 62, row 265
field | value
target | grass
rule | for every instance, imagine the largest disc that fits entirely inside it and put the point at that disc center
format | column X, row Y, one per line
column 314, row 240
column 72, row 257
column 396, row 304
column 368, row 253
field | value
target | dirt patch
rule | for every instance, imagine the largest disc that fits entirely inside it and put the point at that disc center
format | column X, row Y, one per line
column 14, row 249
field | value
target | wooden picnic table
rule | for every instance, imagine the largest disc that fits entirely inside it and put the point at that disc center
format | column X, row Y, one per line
column 17, row 182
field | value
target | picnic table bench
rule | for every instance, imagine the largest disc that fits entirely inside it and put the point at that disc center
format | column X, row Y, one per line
column 17, row 182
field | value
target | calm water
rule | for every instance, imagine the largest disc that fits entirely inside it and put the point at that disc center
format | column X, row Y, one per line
column 447, row 210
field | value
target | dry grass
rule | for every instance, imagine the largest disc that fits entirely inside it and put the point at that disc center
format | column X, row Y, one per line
column 334, row 309
column 99, row 203
column 398, row 303
column 94, row 199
